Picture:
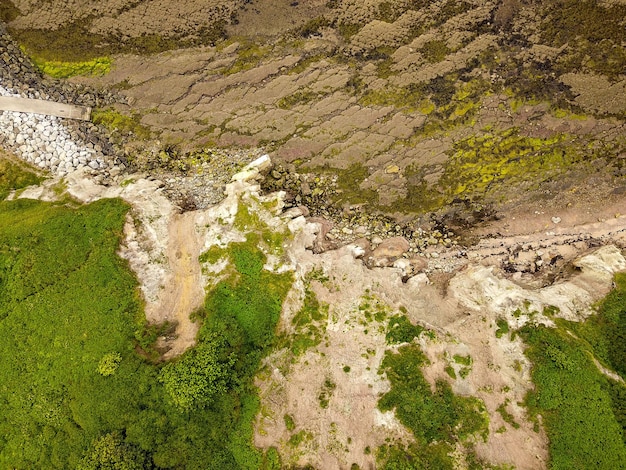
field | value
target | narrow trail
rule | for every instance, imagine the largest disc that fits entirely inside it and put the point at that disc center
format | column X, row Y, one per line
column 183, row 292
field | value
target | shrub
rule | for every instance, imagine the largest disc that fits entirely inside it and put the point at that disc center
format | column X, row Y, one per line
column 109, row 363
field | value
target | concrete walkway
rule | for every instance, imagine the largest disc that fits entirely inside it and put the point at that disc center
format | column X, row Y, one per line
column 50, row 108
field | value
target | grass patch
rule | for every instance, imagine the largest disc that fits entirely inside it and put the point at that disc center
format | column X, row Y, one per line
column 594, row 32
column 463, row 360
column 372, row 309
column 582, row 409
column 489, row 163
column 15, row 175
column 299, row 438
column 401, row 330
column 495, row 165
column 506, row 416
column 438, row 419
column 306, row 62
column 75, row 393
column 309, row 322
column 290, row 424
column 348, row 184
column 502, row 327
column 408, row 99
column 253, row 296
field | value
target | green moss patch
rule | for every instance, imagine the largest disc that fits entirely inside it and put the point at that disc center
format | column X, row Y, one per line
column 492, row 162
column 116, row 121
column 249, row 55
column 435, row 51
column 594, row 32
column 95, row 67
column 298, row 98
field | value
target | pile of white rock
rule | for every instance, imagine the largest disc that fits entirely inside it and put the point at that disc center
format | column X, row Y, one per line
column 45, row 142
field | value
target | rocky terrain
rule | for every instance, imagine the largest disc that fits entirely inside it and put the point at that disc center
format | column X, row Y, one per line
column 461, row 163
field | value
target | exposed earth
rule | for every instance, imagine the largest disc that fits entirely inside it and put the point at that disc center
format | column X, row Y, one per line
column 459, row 162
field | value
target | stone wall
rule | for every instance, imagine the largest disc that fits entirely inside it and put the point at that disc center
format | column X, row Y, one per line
column 55, row 144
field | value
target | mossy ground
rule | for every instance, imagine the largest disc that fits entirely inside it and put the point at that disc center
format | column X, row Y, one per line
column 115, row 121
column 57, row 69
column 74, row 43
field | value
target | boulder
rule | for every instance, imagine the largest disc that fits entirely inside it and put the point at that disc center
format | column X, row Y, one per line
column 391, row 248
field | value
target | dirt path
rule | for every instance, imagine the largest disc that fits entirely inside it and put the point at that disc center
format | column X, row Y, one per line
column 183, row 292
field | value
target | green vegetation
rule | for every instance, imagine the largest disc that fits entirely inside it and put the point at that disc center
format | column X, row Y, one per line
column 298, row 98
column 15, row 175
column 489, row 162
column 195, row 378
column 593, row 31
column 401, row 330
column 348, row 183
column 313, row 27
column 53, row 401
column 407, row 99
column 110, row 451
column 309, row 323
column 606, row 332
column 290, row 424
column 450, row 371
column 372, row 309
column 109, row 363
column 115, row 121
column 57, row 69
column 438, row 419
column 582, row 409
column 76, row 388
column 503, row 327
column 298, row 438
column 435, row 51
column 74, row 42
column 249, row 55
column 327, row 391
column 463, row 360
column 506, row 416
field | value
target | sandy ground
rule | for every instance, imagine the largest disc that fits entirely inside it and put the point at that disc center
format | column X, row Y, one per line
column 183, row 292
